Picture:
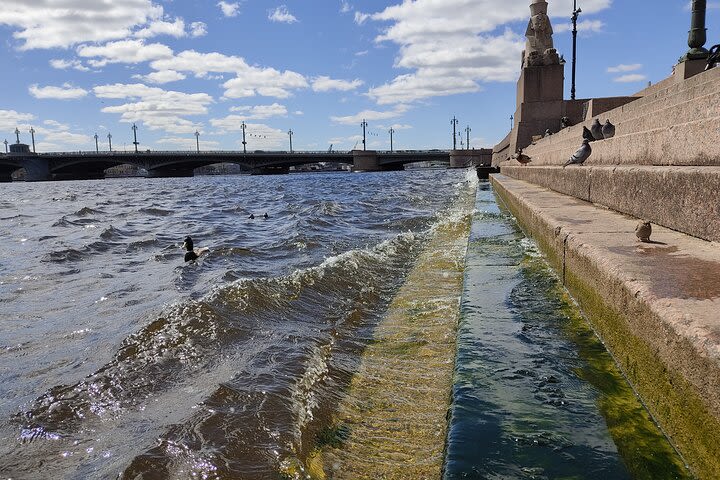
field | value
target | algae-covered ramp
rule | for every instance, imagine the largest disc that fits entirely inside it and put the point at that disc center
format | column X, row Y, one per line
column 654, row 305
column 393, row 421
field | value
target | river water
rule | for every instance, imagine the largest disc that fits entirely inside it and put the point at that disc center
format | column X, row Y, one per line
column 117, row 359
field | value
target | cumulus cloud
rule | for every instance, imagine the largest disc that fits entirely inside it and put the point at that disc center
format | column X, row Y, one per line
column 157, row 108
column 583, row 26
column 257, row 135
column 64, row 92
column 160, row 77
column 260, row 112
column 633, row 77
column 624, row 68
column 345, row 7
column 325, row 84
column 64, row 23
column 124, row 51
column 370, row 115
column 281, row 15
column 189, row 143
column 62, row 64
column 161, row 27
column 198, row 29
column 50, row 135
column 229, row 9
column 10, row 120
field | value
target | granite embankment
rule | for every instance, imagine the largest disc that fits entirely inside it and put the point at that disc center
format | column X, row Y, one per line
column 654, row 304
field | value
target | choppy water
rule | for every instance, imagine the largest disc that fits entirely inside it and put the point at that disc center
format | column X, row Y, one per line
column 118, row 358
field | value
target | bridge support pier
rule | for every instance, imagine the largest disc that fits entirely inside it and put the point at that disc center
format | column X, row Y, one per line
column 365, row 161
column 470, row 158
column 37, row 170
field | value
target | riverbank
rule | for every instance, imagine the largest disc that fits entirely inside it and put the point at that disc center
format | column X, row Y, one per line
column 653, row 304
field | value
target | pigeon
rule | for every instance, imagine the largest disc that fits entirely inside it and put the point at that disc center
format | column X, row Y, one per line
column 596, row 130
column 580, row 155
column 547, row 133
column 643, row 231
column 608, row 130
column 565, row 122
column 587, row 134
column 521, row 157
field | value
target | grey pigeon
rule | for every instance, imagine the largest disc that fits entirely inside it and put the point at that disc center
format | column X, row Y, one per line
column 580, row 155
column 565, row 122
column 596, row 130
column 643, row 230
column 608, row 130
column 521, row 157
column 587, row 135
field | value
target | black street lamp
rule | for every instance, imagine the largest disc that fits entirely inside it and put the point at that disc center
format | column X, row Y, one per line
column 6, row 144
column 290, row 134
column 197, row 140
column 97, row 147
column 32, row 135
column 512, row 123
column 110, row 142
column 576, row 12
column 391, row 131
column 454, row 122
column 467, row 132
column 17, row 134
column 244, row 143
column 697, row 36
column 363, row 125
column 135, row 142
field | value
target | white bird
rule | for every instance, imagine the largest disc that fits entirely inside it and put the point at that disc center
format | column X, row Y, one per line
column 580, row 155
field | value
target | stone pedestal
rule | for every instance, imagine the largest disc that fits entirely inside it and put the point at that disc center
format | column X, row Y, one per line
column 540, row 104
column 365, row 161
column 689, row 68
column 470, row 158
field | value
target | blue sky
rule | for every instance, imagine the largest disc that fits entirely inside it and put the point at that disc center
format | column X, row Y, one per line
column 74, row 68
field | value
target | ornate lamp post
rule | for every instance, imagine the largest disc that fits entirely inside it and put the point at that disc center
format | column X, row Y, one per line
column 110, row 142
column 135, row 142
column 17, row 134
column 363, row 125
column 697, row 35
column 467, row 132
column 97, row 147
column 290, row 134
column 391, row 131
column 244, row 143
column 6, row 144
column 512, row 123
column 454, row 122
column 32, row 135
column 197, row 140
column 576, row 12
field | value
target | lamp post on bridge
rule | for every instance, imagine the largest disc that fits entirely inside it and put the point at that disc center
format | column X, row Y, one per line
column 363, row 125
column 135, row 142
column 512, row 123
column 197, row 140
column 97, row 147
column 6, row 144
column 697, row 36
column 32, row 135
column 454, row 122
column 17, row 134
column 290, row 134
column 391, row 131
column 110, row 142
column 576, row 12
column 244, row 142
column 467, row 132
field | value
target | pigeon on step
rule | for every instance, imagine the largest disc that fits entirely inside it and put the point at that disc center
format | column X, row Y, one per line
column 580, row 155
column 643, row 231
column 521, row 157
column 608, row 130
column 587, row 134
column 596, row 130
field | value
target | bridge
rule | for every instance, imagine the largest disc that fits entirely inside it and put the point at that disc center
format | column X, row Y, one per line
column 92, row 165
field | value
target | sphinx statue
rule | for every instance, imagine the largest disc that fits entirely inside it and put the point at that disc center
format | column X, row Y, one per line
column 539, row 49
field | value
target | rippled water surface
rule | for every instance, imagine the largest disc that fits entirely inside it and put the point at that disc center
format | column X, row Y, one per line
column 117, row 358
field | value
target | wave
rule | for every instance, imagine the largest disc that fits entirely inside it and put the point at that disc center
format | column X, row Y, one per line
column 86, row 211
column 66, row 255
column 158, row 212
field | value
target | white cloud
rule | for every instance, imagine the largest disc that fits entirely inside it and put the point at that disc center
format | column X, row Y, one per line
column 229, row 9
column 10, row 120
column 282, row 15
column 157, row 108
column 624, row 68
column 257, row 135
column 160, row 27
column 64, row 23
column 198, row 29
column 62, row 64
column 325, row 84
column 160, row 77
column 189, row 143
column 583, row 26
column 65, row 92
column 345, row 7
column 124, row 51
column 370, row 115
column 361, row 18
column 633, row 77
column 260, row 112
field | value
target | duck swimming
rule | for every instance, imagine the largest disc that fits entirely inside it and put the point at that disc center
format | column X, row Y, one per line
column 192, row 253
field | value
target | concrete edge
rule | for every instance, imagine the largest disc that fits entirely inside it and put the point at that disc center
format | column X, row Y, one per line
column 668, row 371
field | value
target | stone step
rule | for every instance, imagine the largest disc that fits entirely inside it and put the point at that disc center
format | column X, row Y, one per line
column 654, row 305
column 685, row 199
column 690, row 143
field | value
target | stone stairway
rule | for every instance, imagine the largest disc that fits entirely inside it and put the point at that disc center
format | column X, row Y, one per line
column 663, row 165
